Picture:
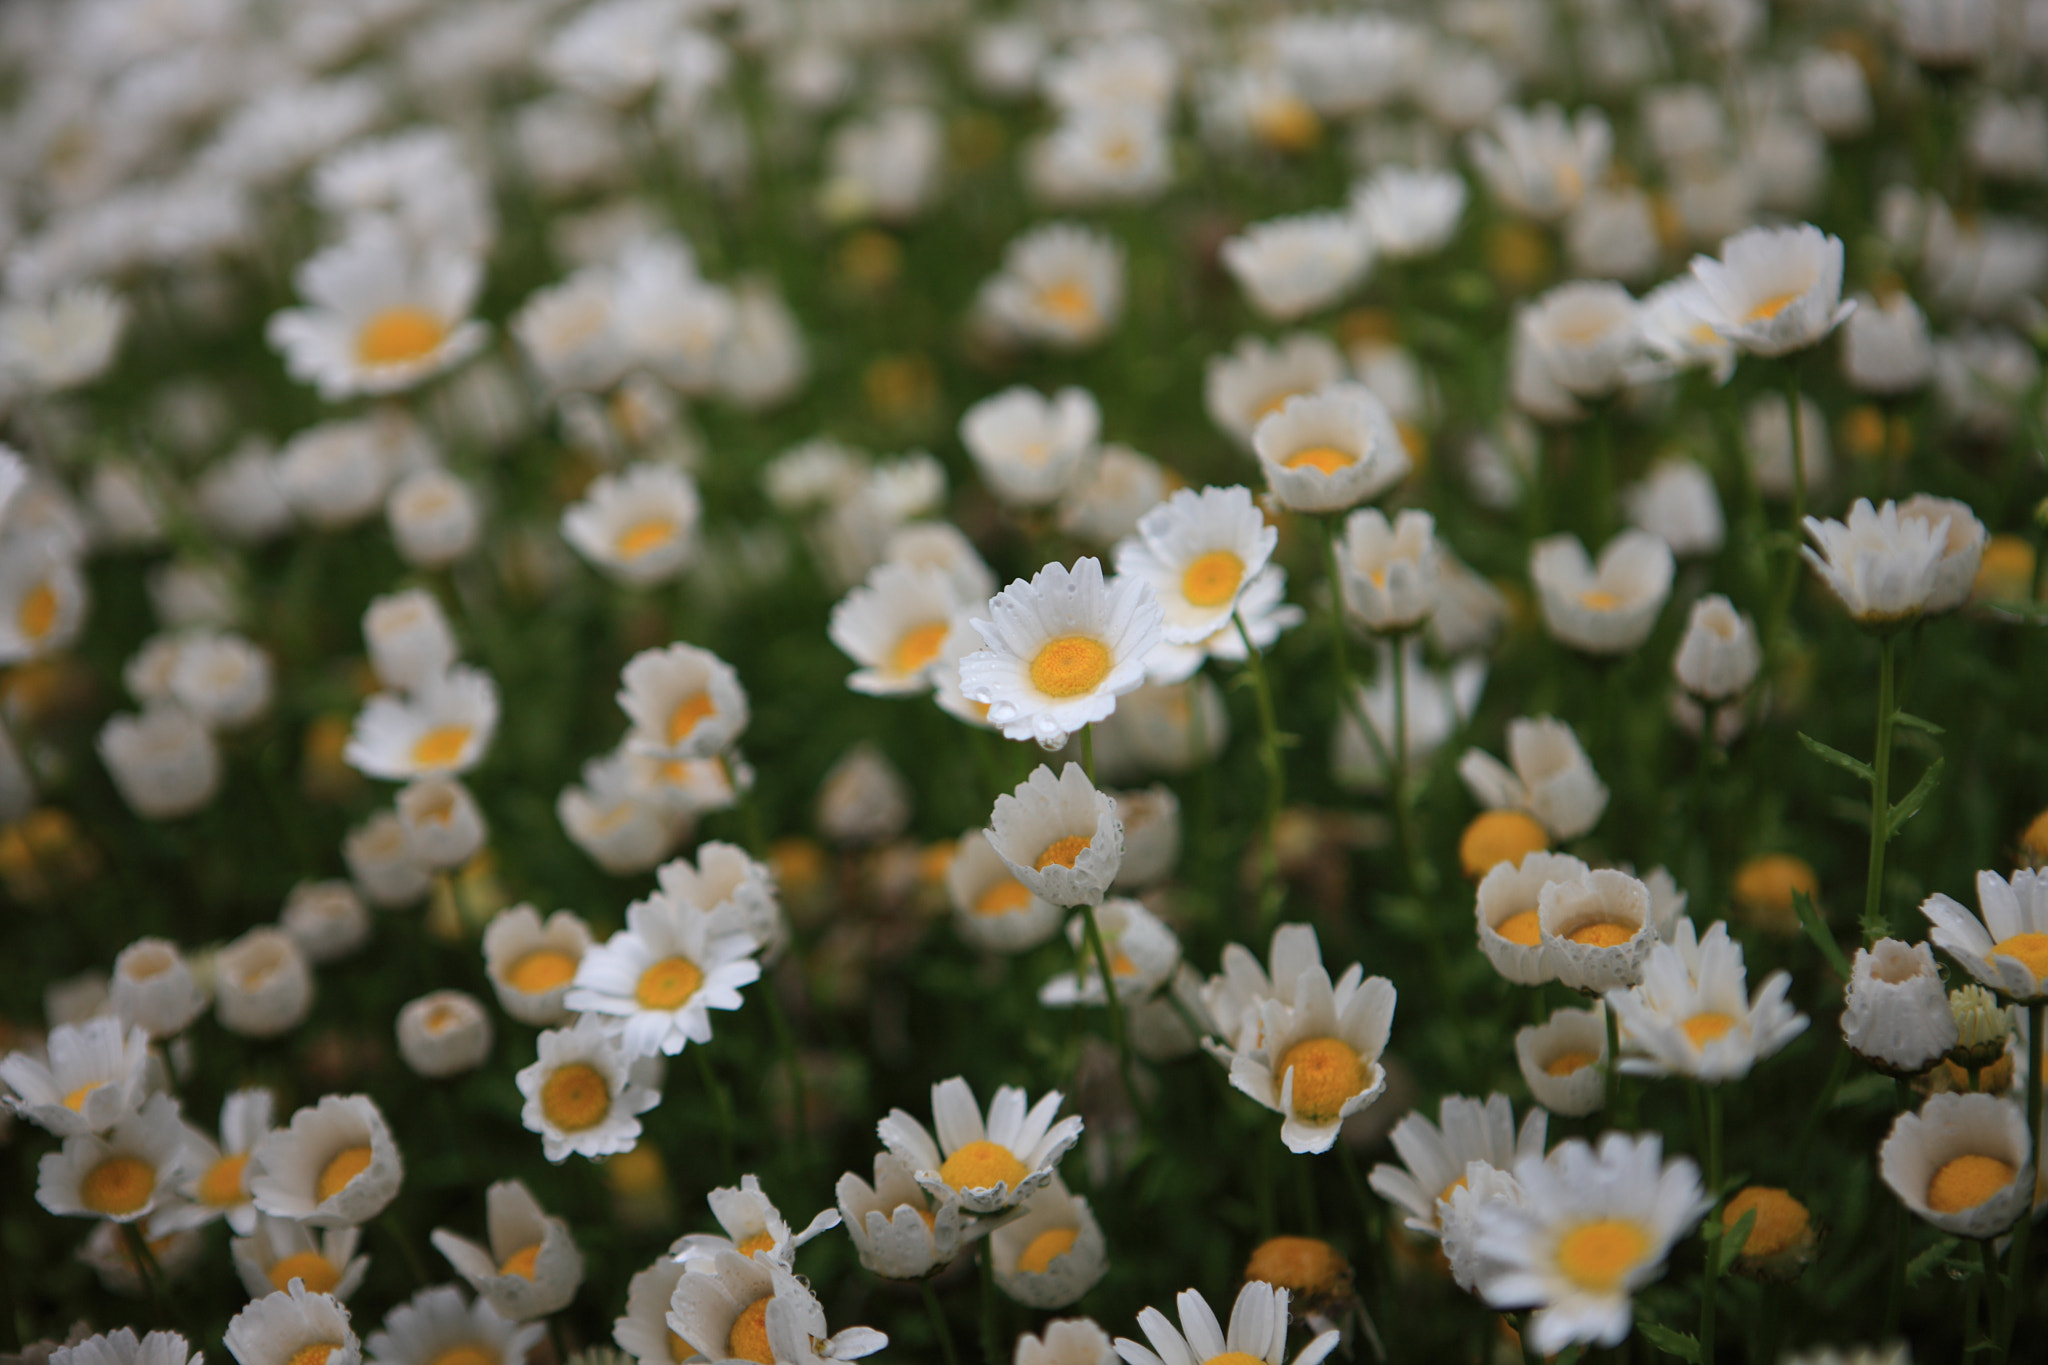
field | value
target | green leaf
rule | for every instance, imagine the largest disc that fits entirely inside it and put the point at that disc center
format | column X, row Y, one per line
column 1911, row 721
column 1809, row 919
column 1909, row 805
column 1681, row 1344
column 1830, row 754
column 1735, row 1239
column 1925, row 1264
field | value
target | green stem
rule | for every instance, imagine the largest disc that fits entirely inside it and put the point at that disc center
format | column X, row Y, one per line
column 721, row 1103
column 1986, row 1276
column 1603, row 470
column 1088, row 752
column 145, row 1261
column 939, row 1328
column 2016, row 1263
column 1710, row 1284
column 991, row 1334
column 1880, row 790
column 1116, row 1005
column 413, row 1263
column 1613, row 1058
column 1270, row 894
column 1804, row 1143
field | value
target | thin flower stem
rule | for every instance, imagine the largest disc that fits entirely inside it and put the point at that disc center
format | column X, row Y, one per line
column 1880, row 790
column 1613, row 1059
column 1116, row 1006
column 396, row 1228
column 1088, row 752
column 1804, row 1143
column 1974, row 1287
column 1710, row 1283
column 991, row 1335
column 145, row 1260
column 1270, row 893
column 2016, row 1263
column 939, row 1328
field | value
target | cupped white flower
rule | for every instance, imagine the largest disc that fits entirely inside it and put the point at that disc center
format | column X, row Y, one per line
column 1885, row 347
column 435, row 1324
column 1389, row 569
column 942, row 546
column 1540, row 164
column 2007, row 949
column 1692, row 1014
column 1331, row 450
column 531, row 964
column 221, row 678
column 97, row 1074
column 49, row 345
column 335, row 474
column 1060, row 650
column 894, row 626
column 992, row 909
column 531, row 1267
column 1962, row 549
column 1151, row 821
column 1434, row 1156
column 154, row 987
column 656, row 981
column 1882, row 565
column 987, row 1167
column 1676, row 501
column 638, row 526
column 1773, row 290
column 262, row 984
column 1597, row 929
column 1030, row 449
column 335, row 1164
column 379, row 857
column 1895, row 1013
column 1948, row 35
column 1317, row 1062
column 1585, row 335
column 443, row 825
column 1059, row 836
column 863, row 799
column 1143, row 954
column 1718, row 657
column 1061, row 284
column 1963, row 1163
column 1552, row 779
column 295, row 1323
column 280, row 1250
column 434, row 518
column 735, row 890
column 1198, row 550
column 895, row 1230
column 1257, row 377
column 444, row 1033
column 125, row 1175
column 642, row 1332
column 327, row 919
column 1289, row 267
column 622, row 814
column 1610, row 608
column 1410, row 212
column 164, row 761
column 443, row 726
column 583, row 1095
column 1564, row 1060
column 1067, row 1341
column 410, row 640
column 1507, row 911
column 744, row 1309
column 1258, row 1332
column 1053, row 1254
column 684, row 702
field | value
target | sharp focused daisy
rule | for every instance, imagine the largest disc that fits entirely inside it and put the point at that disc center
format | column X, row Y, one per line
column 895, row 1230
column 656, row 981
column 1318, row 1062
column 1963, row 1162
column 443, row 727
column 1774, row 290
column 295, row 1326
column 1198, row 550
column 435, row 1326
column 639, row 526
column 583, row 1095
column 1235, row 997
column 1257, row 1334
column 2007, row 949
column 97, row 1074
column 989, row 1166
column 531, row 1267
column 1884, row 566
column 753, row 1227
column 279, row 1250
column 1608, row 609
column 759, row 1311
column 334, row 1164
column 1507, row 910
column 1052, row 1255
column 1059, row 836
column 684, row 702
column 1060, row 650
column 385, row 313
column 895, row 626
column 1434, row 1158
column 125, row 1175
column 1564, row 1060
column 219, row 1185
column 1696, row 1019
column 1597, row 929
column 1330, row 450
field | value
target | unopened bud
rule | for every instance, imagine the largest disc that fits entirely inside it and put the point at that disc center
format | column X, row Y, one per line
column 1982, row 1026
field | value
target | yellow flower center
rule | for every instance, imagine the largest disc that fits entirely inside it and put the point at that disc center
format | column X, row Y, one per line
column 399, row 334
column 689, row 711
column 643, row 536
column 2029, row 950
column 118, row 1186
column 1781, row 1220
column 1069, row 301
column 1771, row 307
column 1298, row 1263
column 1598, row 1256
column 668, row 983
column 760, row 1241
column 1062, row 851
column 981, row 1166
column 1325, row 459
column 1002, row 898
column 1602, row 933
column 678, row 1349
column 1565, row 1063
column 521, row 1262
column 1286, row 124
column 75, row 1101
column 316, row 1354
column 1499, row 836
column 1212, row 579
column 440, row 746
column 1598, row 599
column 221, row 1186
column 1521, row 928
column 541, row 971
column 469, row 1353
column 1705, row 1027
column 1766, row 883
column 316, row 1270
column 1044, row 1247
column 1967, row 1182
column 1234, row 1358
column 575, row 1097
column 919, row 646
column 1327, row 1072
column 38, row 611
column 1070, row 666
column 1444, row 1195
column 345, row 1166
column 749, row 1339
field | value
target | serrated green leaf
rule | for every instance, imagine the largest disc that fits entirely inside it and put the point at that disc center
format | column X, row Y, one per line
column 1909, row 805
column 1923, row 1265
column 1829, row 754
column 1681, row 1344
column 1809, row 919
column 1735, row 1239
column 1911, row 721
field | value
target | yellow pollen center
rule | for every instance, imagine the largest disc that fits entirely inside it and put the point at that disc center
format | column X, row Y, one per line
column 1780, row 1219
column 221, row 1186
column 541, row 971
column 1599, row 1256
column 346, row 1165
column 642, row 536
column 760, row 1241
column 668, row 983
column 316, row 1354
column 1598, row 599
column 75, row 1101
column 1444, row 1195
column 1325, row 459
column 1770, row 307
column 575, row 1097
column 749, row 1339
column 1327, row 1072
column 521, row 1262
column 1967, row 1182
column 440, row 746
column 469, row 1353
column 1520, row 928
column 982, row 1165
column 1234, row 1358
column 1298, row 1263
column 37, row 612
column 1070, row 666
column 919, row 646
column 678, row 1349
column 689, row 711
column 2029, row 950
column 1212, row 579
column 1565, row 1063
column 1002, row 898
column 1062, row 851
column 1602, row 933
column 1069, row 301
column 1705, row 1028
column 118, row 1186
column 316, row 1270
column 397, row 335
column 1044, row 1247
column 1287, row 124
column 1499, row 836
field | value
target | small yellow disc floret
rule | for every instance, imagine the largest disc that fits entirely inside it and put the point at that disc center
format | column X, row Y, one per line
column 983, row 1165
column 1327, row 1072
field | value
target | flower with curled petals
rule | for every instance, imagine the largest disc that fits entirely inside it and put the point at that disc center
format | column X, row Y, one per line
column 2007, row 949
column 987, row 1167
column 1257, row 1335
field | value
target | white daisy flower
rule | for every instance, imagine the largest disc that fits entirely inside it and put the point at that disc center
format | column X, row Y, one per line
column 1508, row 916
column 277, row 1251
column 1143, row 954
column 1719, row 656
column 379, row 857
column 1198, row 550
column 1053, row 1254
column 442, row 727
column 410, row 640
column 2007, row 949
column 1695, row 1018
column 1151, row 821
column 893, row 626
column 1678, row 503
column 98, row 1074
column 987, row 1167
column 1885, row 348
column 1540, row 164
column 1434, row 1158
column 1235, row 997
column 531, row 1267
column 262, row 984
column 1552, row 779
column 385, row 313
column 1964, row 1163
column 1267, row 614
column 42, row 599
column 1317, row 1062
column 992, row 910
column 758, row 1310
column 1895, row 1012
column 738, row 893
column 293, row 1325
column 1030, row 449
column 1389, row 569
column 435, row 1325
column 124, row 1348
column 895, row 1230
column 943, row 546
column 327, row 919
column 334, row 1164
column 753, row 1227
column 164, row 762
column 642, row 1332
column 444, row 1033
column 583, row 1095
column 222, row 678
column 1061, row 284
column 125, row 1175
column 1257, row 1335
column 1330, row 450
column 49, row 345
column 656, row 981
column 1608, row 609
column 1289, row 267
column 219, row 1184
column 1060, row 650
column 1564, row 1060
column 1883, row 565
column 568, row 331
column 1597, row 929
column 531, row 964
column 622, row 813
column 1774, row 290
column 1962, row 552
column 1257, row 377
column 1410, row 212
column 1592, row 1228
column 1059, row 836
column 337, row 473
column 434, row 518
column 639, row 525
column 684, row 702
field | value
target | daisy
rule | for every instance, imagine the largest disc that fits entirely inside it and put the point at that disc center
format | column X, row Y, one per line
column 1059, row 836
column 335, row 1164
column 444, row 1033
column 1151, row 821
column 1610, row 609
column 753, row 1227
column 1964, row 1163
column 1330, row 450
column 443, row 727
column 1564, row 1060
column 684, row 702
column 1317, row 1063
column 638, row 526
column 531, row 964
column 1060, row 650
column 1885, row 347
column 1066, row 1341
column 219, row 1185
column 1410, row 212
column 583, row 1095
column 1289, row 267
column 1257, row 1335
column 1774, row 290
column 1696, row 1018
column 97, row 1074
column 435, row 1325
column 1198, row 550
column 1552, row 779
column 531, row 1267
column 1389, row 569
column 992, row 909
column 125, row 1175
column 1434, row 1158
column 1143, row 954
column 164, row 762
column 736, row 891
column 622, row 814
column 758, row 1310
column 893, row 626
column 386, row 313
column 1719, row 657
column 42, row 599
column 895, row 1231
column 1676, row 501
column 1061, row 284
column 1257, row 377
column 410, row 640
column 1508, row 916
column 123, row 1348
column 1581, row 337
column 1597, row 929
column 443, row 825
column 943, row 546
column 49, row 345
column 380, row 862
column 2007, row 949
column 1235, row 996
column 1595, row 1226
column 1540, row 164
column 987, row 1167
column 294, row 1324
column 1895, row 1012
column 1105, row 507
column 656, row 981
column 1030, row 449
column 1052, row 1255
column 1262, row 606
column 262, row 984
column 327, row 919
column 643, row 1332
column 1962, row 552
column 277, row 1251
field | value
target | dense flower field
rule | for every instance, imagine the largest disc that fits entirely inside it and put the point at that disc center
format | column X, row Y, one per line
column 1198, row 682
